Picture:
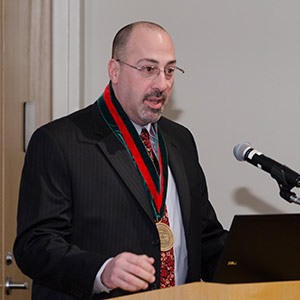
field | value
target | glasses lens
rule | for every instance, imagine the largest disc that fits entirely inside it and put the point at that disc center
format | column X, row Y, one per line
column 149, row 71
column 169, row 72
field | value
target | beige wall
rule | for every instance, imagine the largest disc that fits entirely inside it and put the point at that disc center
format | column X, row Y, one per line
column 242, row 62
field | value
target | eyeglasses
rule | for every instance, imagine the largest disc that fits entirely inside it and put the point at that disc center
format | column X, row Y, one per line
column 150, row 71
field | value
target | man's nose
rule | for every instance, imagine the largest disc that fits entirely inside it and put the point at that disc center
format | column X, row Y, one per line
column 161, row 82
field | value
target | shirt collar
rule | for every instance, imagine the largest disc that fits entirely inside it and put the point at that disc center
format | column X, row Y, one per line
column 149, row 127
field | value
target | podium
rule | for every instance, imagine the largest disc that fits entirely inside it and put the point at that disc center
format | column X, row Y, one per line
column 286, row 290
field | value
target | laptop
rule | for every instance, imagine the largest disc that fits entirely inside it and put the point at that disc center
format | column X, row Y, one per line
column 261, row 248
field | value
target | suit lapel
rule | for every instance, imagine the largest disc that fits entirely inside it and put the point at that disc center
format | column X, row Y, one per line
column 178, row 171
column 120, row 160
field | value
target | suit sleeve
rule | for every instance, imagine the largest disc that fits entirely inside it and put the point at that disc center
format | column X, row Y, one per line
column 213, row 234
column 213, row 238
column 203, row 217
column 42, row 248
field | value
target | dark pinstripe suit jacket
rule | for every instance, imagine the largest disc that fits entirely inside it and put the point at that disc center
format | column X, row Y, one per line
column 82, row 201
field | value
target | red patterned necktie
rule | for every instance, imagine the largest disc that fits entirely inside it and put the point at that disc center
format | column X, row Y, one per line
column 167, row 274
column 146, row 140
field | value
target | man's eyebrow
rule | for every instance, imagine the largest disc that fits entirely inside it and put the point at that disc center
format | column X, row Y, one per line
column 154, row 61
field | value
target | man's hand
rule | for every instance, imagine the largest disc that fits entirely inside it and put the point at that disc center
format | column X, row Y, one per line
column 129, row 272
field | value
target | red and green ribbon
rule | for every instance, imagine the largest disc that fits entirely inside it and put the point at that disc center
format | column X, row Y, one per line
column 154, row 182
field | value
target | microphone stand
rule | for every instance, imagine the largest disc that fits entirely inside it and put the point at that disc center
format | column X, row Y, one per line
column 285, row 187
column 287, row 195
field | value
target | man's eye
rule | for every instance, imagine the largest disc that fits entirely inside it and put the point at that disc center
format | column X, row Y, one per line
column 170, row 70
column 149, row 69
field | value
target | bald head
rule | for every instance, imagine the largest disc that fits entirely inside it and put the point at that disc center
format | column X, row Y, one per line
column 122, row 37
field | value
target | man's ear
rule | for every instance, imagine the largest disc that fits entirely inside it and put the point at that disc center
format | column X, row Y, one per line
column 113, row 70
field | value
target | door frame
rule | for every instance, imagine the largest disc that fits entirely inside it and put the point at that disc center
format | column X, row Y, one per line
column 67, row 56
column 1, row 154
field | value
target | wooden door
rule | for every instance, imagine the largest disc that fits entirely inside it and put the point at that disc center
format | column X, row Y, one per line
column 25, row 76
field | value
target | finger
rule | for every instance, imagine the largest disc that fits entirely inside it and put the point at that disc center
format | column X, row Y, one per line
column 115, row 277
column 129, row 271
column 130, row 282
column 140, row 274
column 140, row 266
column 142, row 261
column 137, row 265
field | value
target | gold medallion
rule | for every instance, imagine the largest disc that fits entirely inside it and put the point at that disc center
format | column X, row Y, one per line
column 166, row 236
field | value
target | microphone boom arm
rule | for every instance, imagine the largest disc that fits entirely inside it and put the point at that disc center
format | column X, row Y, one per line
column 288, row 195
column 285, row 188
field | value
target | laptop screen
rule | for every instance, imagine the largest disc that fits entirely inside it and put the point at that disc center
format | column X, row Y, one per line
column 261, row 248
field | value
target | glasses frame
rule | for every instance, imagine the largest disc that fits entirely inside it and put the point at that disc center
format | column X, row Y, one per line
column 158, row 69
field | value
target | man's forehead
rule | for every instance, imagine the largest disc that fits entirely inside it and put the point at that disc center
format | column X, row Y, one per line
column 142, row 31
column 154, row 61
column 151, row 44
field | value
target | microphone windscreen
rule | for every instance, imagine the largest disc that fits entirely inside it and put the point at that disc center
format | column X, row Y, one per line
column 240, row 150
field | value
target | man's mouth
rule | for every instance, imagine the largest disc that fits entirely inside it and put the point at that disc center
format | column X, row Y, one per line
column 155, row 100
column 154, row 103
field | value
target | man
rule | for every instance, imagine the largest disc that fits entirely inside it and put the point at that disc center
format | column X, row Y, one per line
column 104, row 212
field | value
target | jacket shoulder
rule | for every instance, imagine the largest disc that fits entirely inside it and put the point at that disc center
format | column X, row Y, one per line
column 80, row 122
column 76, row 118
column 174, row 129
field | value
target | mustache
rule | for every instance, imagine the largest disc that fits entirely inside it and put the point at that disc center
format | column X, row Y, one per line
column 157, row 94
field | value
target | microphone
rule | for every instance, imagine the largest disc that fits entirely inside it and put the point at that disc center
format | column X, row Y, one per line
column 283, row 175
